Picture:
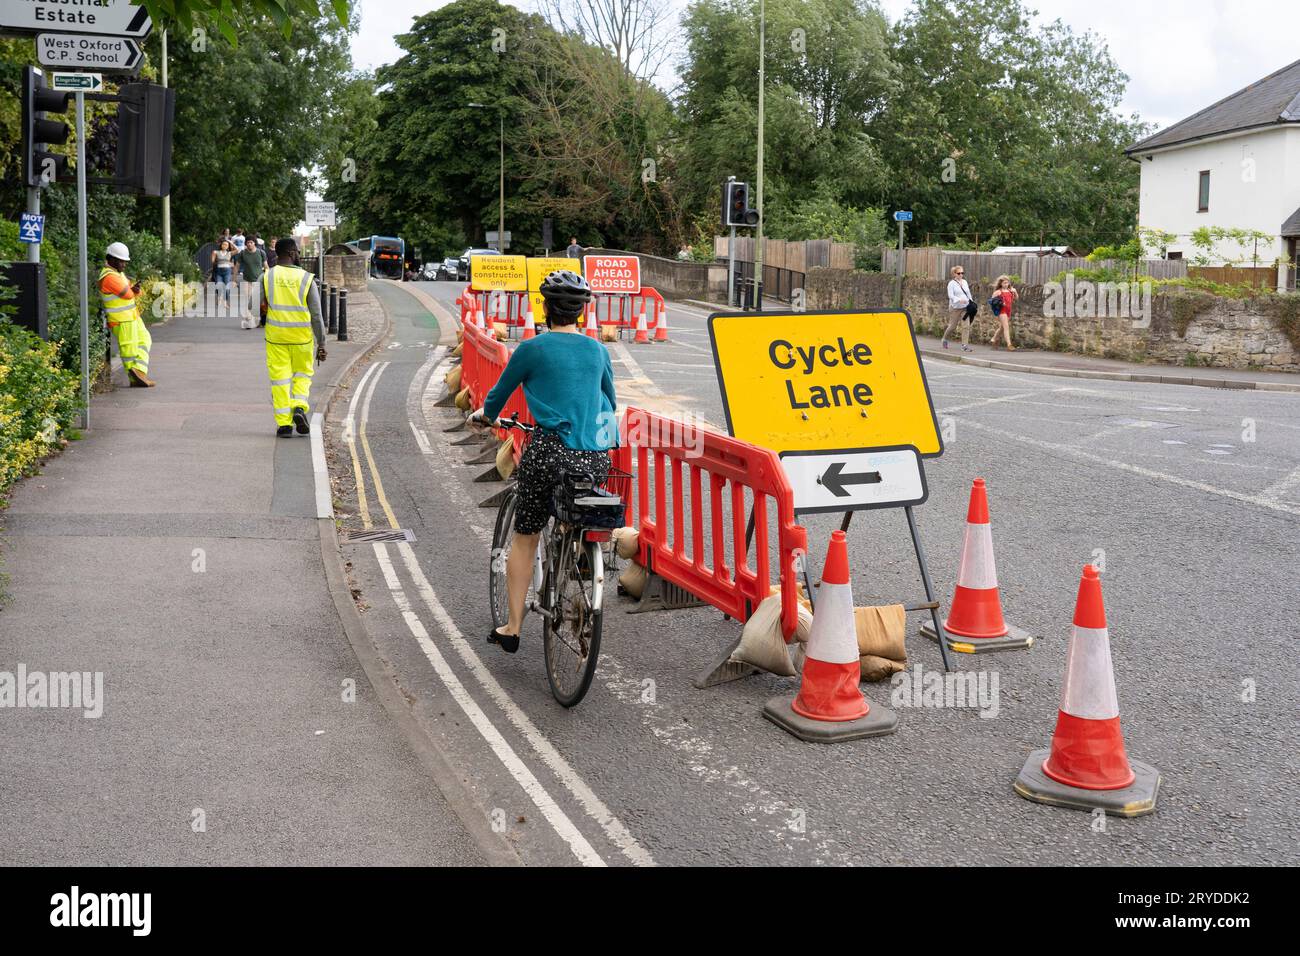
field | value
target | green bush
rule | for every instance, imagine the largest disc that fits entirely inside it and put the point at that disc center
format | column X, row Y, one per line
column 37, row 401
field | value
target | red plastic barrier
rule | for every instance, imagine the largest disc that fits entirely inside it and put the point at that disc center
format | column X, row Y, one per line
column 732, row 467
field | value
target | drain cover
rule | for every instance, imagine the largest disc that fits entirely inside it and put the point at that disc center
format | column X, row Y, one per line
column 378, row 534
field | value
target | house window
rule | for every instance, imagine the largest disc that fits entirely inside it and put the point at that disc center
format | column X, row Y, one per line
column 1174, row 255
column 1203, row 192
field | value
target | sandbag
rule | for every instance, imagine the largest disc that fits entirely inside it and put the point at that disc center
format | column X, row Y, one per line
column 463, row 400
column 506, row 459
column 634, row 579
column 626, row 542
column 453, row 379
column 881, row 631
column 875, row 668
column 459, row 349
column 803, row 597
column 762, row 644
column 460, row 334
column 501, row 331
column 609, row 333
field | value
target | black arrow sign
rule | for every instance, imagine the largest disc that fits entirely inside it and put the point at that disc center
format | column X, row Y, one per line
column 835, row 481
column 134, row 57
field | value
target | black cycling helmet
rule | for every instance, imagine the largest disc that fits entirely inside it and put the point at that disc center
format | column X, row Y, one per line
column 566, row 294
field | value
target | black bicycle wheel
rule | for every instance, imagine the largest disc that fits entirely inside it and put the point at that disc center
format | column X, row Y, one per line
column 571, row 636
column 502, row 537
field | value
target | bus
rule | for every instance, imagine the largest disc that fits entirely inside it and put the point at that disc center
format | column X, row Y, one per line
column 385, row 255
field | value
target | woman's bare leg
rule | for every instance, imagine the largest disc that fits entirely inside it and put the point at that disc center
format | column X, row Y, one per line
column 519, row 574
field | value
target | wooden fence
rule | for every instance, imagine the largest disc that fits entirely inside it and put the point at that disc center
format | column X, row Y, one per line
column 934, row 263
column 794, row 256
column 1255, row 277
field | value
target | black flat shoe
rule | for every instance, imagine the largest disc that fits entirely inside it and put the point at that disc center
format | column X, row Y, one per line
column 509, row 642
column 300, row 421
column 284, row 431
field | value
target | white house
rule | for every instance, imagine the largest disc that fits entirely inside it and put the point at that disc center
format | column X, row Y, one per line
column 1235, row 164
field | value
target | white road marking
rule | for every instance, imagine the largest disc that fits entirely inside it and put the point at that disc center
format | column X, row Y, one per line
column 556, row 817
column 586, row 797
column 1201, row 486
column 988, row 401
column 324, row 500
column 1278, row 489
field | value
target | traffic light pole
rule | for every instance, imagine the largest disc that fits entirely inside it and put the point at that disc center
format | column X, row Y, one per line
column 82, row 255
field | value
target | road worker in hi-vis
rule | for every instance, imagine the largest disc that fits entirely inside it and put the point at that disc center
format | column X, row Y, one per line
column 118, row 294
column 295, row 335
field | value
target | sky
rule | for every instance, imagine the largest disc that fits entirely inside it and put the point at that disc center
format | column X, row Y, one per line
column 1180, row 55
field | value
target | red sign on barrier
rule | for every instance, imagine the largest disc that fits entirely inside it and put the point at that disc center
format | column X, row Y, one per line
column 613, row 274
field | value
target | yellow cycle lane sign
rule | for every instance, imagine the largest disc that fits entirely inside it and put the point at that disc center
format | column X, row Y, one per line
column 841, row 396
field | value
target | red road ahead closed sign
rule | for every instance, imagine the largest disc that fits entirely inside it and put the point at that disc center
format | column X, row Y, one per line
column 620, row 275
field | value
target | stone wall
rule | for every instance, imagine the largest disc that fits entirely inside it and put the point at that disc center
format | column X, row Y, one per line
column 1184, row 329
column 675, row 279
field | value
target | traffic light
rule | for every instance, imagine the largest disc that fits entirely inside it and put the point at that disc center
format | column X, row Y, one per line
column 735, row 205
column 144, row 139
column 41, row 167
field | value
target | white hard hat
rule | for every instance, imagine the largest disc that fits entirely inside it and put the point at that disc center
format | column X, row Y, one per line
column 118, row 250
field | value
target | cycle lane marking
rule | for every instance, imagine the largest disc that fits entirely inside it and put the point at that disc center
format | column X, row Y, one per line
column 514, row 765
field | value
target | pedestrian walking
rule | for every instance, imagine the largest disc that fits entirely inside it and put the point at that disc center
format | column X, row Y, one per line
column 1004, row 297
column 252, row 263
column 239, row 240
column 223, row 266
column 961, row 307
column 118, row 294
column 574, row 251
column 291, row 313
column 270, row 251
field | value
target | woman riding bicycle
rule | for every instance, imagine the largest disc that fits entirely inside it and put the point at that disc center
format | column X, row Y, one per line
column 568, row 381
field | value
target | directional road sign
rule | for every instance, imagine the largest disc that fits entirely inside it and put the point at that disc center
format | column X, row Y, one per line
column 853, row 480
column 76, row 81
column 71, row 51
column 118, row 18
column 31, row 227
column 903, row 215
column 840, row 396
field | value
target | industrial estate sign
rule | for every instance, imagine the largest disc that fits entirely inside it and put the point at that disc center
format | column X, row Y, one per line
column 119, row 18
column 841, row 396
column 81, row 51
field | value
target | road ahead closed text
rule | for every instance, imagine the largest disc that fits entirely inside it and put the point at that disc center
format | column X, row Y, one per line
column 810, row 381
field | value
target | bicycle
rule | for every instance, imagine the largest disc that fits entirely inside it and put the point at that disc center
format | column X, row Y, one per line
column 567, row 588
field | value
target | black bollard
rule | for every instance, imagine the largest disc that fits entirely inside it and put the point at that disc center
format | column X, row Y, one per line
column 333, row 310
column 343, row 315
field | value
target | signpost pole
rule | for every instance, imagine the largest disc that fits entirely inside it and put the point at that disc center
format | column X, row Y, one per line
column 731, row 270
column 898, row 278
column 166, row 200
column 34, row 207
column 320, row 254
column 82, row 255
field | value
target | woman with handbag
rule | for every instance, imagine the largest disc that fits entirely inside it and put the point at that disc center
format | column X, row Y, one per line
column 1004, row 296
column 961, row 307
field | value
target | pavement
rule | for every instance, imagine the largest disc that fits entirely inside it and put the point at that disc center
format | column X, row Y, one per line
column 176, row 550
column 1072, row 365
column 1189, row 497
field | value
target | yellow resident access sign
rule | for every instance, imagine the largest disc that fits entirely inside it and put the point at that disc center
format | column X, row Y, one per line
column 813, row 381
column 498, row 273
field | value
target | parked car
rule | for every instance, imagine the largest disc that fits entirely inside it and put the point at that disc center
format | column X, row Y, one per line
column 464, row 259
column 430, row 271
column 449, row 269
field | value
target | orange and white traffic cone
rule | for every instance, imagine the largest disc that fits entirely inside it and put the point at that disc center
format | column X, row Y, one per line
column 592, row 332
column 530, row 327
column 479, row 318
column 1087, row 767
column 830, row 707
column 642, row 336
column 661, row 323
column 975, row 621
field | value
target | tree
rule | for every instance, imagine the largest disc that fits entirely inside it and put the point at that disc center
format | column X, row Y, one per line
column 1003, row 128
column 229, row 16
